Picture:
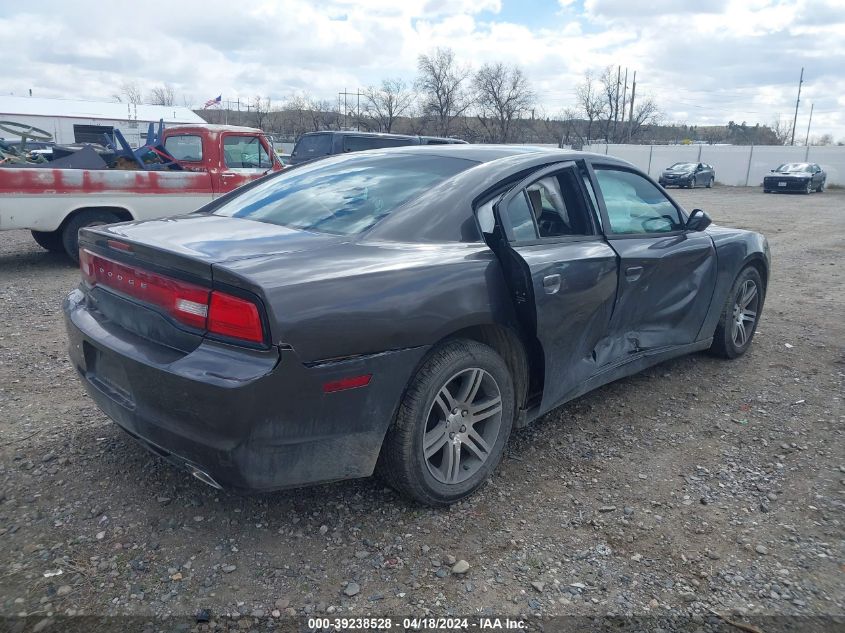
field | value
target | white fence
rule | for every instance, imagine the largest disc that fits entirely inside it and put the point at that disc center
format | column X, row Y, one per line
column 737, row 165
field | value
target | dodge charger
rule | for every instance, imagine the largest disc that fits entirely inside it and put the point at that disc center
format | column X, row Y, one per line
column 398, row 311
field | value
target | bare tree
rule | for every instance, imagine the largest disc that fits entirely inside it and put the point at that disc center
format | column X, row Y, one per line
column 782, row 130
column 385, row 103
column 590, row 103
column 162, row 95
column 129, row 93
column 261, row 109
column 502, row 94
column 646, row 114
column 441, row 86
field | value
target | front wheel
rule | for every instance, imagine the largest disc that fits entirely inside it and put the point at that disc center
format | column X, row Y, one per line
column 740, row 315
column 821, row 187
column 691, row 184
column 809, row 188
column 452, row 425
column 710, row 183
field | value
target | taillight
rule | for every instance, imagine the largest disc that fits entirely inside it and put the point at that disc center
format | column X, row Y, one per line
column 191, row 304
column 234, row 317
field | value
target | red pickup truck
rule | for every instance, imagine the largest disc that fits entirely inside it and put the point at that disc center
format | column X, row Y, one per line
column 55, row 203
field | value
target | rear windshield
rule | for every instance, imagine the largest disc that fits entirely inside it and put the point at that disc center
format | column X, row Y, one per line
column 184, row 147
column 312, row 146
column 343, row 195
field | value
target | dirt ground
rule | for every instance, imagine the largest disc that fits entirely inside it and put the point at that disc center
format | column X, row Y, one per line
column 698, row 485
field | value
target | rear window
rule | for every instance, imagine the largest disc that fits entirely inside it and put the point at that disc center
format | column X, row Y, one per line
column 345, row 196
column 184, row 147
column 313, row 145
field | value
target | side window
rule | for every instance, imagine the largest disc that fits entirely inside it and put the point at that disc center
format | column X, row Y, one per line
column 634, row 205
column 521, row 218
column 588, row 185
column 184, row 147
column 362, row 143
column 245, row 152
column 558, row 205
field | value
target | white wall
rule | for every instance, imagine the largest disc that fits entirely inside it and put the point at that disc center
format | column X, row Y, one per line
column 62, row 127
column 736, row 165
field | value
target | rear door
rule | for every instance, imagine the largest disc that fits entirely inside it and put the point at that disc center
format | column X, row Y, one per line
column 667, row 274
column 245, row 158
column 561, row 271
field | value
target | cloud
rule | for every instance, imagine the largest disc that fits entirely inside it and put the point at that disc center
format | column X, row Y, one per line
column 705, row 62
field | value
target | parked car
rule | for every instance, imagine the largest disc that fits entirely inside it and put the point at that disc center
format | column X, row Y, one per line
column 688, row 175
column 400, row 309
column 802, row 177
column 55, row 203
column 313, row 145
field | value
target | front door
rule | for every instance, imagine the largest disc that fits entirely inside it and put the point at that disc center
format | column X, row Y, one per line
column 666, row 274
column 245, row 158
column 561, row 271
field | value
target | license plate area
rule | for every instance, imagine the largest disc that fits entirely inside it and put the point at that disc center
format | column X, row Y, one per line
column 108, row 375
column 781, row 184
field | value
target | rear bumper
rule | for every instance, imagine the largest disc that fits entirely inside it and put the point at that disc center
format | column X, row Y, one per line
column 250, row 420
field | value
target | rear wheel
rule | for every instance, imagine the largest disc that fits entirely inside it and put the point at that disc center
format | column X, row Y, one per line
column 83, row 219
column 49, row 240
column 740, row 315
column 452, row 425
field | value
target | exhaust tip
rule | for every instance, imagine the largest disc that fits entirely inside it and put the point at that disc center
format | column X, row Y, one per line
column 205, row 478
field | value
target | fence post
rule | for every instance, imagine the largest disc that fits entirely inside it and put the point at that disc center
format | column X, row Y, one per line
column 605, row 148
column 807, row 154
column 748, row 170
column 650, row 150
column 699, row 154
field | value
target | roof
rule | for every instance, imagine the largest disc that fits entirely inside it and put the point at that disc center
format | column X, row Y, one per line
column 78, row 109
column 211, row 127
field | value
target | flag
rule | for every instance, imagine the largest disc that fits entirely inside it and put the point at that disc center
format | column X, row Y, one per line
column 218, row 99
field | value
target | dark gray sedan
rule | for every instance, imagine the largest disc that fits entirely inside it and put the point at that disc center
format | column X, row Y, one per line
column 400, row 310
column 689, row 175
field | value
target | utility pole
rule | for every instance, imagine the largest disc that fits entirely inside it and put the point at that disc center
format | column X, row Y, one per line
column 797, row 101
column 631, row 111
column 624, row 97
column 357, row 94
column 616, row 100
column 807, row 140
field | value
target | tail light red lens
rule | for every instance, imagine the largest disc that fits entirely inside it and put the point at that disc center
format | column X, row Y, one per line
column 191, row 304
column 234, row 317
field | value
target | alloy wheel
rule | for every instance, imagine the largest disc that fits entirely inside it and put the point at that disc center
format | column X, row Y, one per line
column 692, row 183
column 745, row 312
column 462, row 426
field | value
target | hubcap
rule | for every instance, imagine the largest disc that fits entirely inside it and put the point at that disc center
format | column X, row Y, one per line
column 462, row 426
column 745, row 313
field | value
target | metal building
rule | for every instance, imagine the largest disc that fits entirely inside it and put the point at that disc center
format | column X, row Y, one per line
column 74, row 121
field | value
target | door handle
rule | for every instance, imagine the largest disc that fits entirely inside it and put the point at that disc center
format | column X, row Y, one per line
column 632, row 273
column 227, row 175
column 551, row 284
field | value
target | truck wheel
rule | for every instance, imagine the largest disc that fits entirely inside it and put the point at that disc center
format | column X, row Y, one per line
column 49, row 240
column 452, row 425
column 83, row 219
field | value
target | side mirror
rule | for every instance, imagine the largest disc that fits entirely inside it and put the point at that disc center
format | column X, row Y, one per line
column 698, row 220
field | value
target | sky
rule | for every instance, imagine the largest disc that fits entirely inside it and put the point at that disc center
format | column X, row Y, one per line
column 703, row 61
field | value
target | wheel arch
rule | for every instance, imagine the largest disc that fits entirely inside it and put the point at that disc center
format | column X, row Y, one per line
column 123, row 213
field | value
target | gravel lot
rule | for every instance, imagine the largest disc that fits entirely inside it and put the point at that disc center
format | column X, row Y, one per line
column 698, row 485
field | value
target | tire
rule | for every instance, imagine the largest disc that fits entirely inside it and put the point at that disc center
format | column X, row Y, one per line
column 457, row 366
column 820, row 188
column 767, row 191
column 809, row 188
column 727, row 341
column 83, row 219
column 49, row 240
column 691, row 184
column 710, row 183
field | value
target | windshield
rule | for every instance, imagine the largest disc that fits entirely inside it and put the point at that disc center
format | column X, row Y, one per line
column 793, row 167
column 684, row 166
column 343, row 195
